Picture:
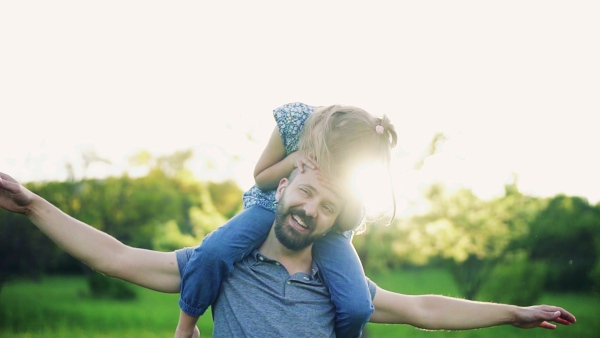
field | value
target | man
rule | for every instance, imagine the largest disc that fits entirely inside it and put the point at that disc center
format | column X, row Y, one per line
column 276, row 291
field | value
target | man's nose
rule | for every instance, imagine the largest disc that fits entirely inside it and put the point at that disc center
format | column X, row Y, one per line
column 310, row 208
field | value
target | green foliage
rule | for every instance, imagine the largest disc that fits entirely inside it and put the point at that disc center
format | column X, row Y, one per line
column 226, row 197
column 595, row 277
column 375, row 246
column 515, row 280
column 24, row 250
column 163, row 210
column 564, row 235
column 467, row 232
column 169, row 238
column 471, row 274
column 130, row 209
column 101, row 286
column 472, row 236
column 206, row 219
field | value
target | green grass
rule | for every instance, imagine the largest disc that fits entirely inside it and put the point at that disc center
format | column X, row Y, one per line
column 58, row 307
column 433, row 281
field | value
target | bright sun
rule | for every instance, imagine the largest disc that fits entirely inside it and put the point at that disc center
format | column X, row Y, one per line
column 373, row 183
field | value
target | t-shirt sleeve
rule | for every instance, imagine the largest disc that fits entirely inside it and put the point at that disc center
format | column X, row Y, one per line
column 290, row 119
column 372, row 287
column 183, row 256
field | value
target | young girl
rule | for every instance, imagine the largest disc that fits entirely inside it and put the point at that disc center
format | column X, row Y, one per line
column 334, row 139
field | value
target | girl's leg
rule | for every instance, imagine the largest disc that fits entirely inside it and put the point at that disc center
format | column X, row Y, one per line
column 213, row 260
column 344, row 276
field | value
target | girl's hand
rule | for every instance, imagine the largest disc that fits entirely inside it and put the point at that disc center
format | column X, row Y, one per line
column 300, row 160
column 179, row 333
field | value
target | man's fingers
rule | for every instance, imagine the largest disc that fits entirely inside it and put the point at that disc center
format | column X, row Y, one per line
column 3, row 181
column 547, row 325
column 567, row 316
column 556, row 316
column 562, row 316
column 8, row 185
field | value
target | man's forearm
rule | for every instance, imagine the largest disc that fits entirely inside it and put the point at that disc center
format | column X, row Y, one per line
column 446, row 313
column 89, row 245
column 438, row 312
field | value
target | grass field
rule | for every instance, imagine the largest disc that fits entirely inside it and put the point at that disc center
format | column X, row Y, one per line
column 584, row 307
column 58, row 307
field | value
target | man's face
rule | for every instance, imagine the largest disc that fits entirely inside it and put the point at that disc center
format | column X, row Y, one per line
column 307, row 209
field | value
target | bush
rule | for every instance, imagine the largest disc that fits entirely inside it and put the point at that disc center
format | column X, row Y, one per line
column 564, row 236
column 515, row 280
column 102, row 286
column 595, row 277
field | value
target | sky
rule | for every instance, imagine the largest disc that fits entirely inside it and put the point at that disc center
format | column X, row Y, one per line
column 513, row 85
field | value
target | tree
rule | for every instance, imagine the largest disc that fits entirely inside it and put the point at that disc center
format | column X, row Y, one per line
column 160, row 210
column 226, row 197
column 565, row 236
column 470, row 234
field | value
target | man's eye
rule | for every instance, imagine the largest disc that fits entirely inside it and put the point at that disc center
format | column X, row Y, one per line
column 329, row 209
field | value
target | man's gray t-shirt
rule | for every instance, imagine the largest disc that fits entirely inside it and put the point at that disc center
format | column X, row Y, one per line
column 261, row 299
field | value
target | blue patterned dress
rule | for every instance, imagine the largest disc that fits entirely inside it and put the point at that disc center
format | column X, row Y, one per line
column 290, row 119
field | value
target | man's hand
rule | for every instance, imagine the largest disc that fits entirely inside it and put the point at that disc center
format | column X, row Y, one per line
column 541, row 316
column 13, row 196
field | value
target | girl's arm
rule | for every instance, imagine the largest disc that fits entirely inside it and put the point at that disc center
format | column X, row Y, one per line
column 273, row 165
column 151, row 269
column 446, row 313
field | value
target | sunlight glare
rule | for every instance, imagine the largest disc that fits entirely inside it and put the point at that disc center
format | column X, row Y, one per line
column 372, row 183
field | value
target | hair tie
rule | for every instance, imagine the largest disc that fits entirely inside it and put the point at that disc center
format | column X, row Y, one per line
column 379, row 129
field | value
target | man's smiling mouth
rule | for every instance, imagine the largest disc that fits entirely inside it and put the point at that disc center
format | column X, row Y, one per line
column 300, row 221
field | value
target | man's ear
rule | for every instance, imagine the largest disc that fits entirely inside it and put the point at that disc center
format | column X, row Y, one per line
column 283, row 183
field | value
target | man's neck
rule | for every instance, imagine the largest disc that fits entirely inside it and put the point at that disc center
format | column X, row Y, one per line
column 294, row 261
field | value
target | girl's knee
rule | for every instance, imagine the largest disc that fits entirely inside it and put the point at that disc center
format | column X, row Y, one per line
column 356, row 312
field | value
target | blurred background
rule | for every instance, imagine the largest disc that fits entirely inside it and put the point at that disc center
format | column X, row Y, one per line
column 145, row 119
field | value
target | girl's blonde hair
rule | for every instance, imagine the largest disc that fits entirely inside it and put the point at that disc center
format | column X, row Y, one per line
column 337, row 137
column 340, row 137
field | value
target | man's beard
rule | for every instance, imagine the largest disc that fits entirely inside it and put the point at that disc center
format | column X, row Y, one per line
column 287, row 235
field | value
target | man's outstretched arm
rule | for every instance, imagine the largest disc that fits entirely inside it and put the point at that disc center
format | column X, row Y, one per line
column 151, row 269
column 446, row 313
